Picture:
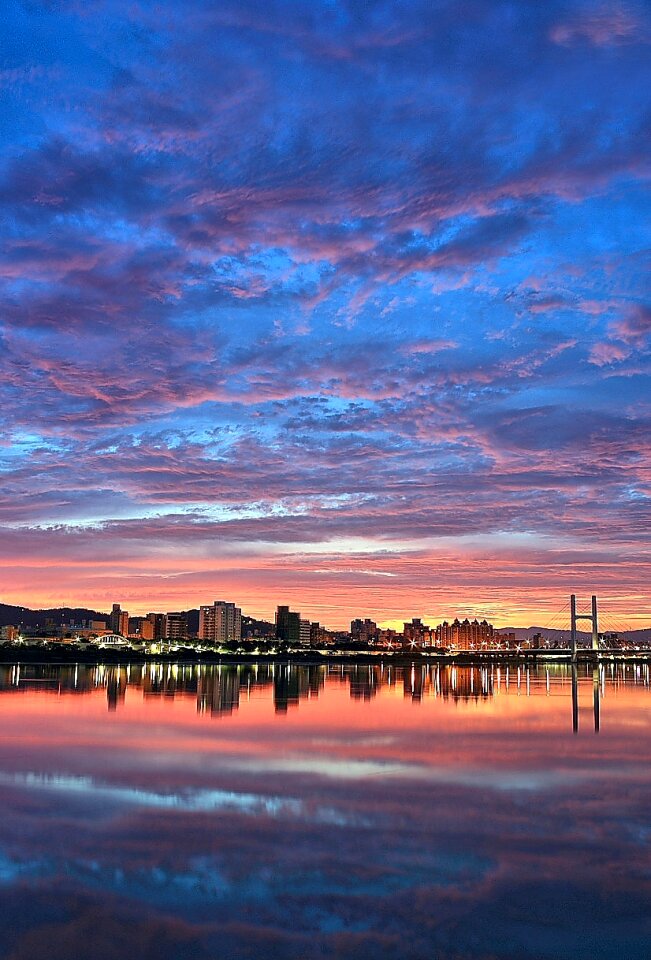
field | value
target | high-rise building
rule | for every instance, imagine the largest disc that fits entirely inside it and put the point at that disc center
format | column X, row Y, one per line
column 288, row 626
column 466, row 634
column 304, row 633
column 319, row 636
column 220, row 622
column 158, row 622
column 141, row 627
column 364, row 631
column 175, row 626
column 416, row 633
column 114, row 617
column 119, row 620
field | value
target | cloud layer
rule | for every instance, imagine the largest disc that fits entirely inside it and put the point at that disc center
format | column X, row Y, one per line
column 296, row 288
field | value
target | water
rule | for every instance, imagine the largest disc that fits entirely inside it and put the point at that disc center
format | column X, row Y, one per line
column 322, row 812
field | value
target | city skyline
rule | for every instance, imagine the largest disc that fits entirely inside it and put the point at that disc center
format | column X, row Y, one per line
column 621, row 609
column 221, row 621
column 346, row 304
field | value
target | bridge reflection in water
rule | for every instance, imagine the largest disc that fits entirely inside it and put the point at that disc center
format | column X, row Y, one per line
column 219, row 690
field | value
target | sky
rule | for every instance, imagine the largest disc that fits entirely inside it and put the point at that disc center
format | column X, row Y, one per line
column 337, row 304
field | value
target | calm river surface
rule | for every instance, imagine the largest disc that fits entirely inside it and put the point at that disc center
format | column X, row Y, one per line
column 334, row 811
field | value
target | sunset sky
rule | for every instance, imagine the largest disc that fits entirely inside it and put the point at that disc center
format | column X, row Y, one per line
column 344, row 305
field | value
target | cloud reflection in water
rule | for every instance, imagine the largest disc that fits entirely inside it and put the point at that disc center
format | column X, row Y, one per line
column 376, row 817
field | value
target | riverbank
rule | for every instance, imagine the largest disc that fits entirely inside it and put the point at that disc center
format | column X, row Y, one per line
column 68, row 654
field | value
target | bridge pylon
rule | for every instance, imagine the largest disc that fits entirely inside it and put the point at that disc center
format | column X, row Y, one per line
column 592, row 617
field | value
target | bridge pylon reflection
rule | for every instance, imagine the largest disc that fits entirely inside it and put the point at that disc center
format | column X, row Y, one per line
column 596, row 698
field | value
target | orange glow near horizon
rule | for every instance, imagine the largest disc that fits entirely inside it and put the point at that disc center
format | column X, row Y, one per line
column 508, row 586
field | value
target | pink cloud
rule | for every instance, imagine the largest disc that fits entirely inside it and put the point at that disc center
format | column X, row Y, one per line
column 607, row 25
column 605, row 352
column 429, row 346
column 635, row 328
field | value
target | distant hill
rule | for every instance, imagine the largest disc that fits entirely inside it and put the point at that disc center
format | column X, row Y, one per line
column 23, row 616
column 524, row 633
column 257, row 628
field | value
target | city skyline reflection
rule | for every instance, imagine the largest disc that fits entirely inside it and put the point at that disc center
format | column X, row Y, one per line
column 219, row 689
